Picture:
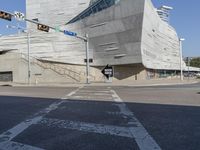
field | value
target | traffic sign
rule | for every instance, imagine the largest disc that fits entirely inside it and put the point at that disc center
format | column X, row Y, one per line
column 19, row 16
column 108, row 71
column 70, row 33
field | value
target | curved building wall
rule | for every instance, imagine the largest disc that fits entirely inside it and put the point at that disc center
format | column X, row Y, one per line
column 129, row 32
column 160, row 43
column 115, row 33
column 114, row 37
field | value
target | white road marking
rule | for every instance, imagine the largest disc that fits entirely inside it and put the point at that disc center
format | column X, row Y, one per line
column 87, row 127
column 139, row 133
column 16, row 130
column 10, row 145
column 13, row 132
column 91, row 94
column 99, row 91
column 134, row 130
column 72, row 93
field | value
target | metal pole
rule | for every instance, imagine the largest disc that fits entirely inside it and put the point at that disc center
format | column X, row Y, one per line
column 87, row 59
column 18, row 29
column 29, row 69
column 181, row 57
column 188, row 63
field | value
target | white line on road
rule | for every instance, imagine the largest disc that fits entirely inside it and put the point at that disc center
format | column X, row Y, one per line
column 16, row 130
column 96, row 91
column 72, row 93
column 10, row 145
column 139, row 133
column 13, row 132
column 87, row 127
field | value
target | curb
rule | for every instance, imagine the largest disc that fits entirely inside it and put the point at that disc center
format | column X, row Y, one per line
column 99, row 84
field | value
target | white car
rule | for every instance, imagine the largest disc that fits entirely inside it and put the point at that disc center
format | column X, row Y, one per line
column 198, row 75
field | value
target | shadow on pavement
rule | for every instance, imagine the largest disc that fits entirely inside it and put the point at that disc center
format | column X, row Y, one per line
column 173, row 127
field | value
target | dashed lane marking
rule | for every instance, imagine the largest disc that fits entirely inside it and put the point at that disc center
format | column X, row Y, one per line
column 139, row 133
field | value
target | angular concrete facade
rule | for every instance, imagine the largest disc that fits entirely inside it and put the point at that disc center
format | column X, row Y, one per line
column 54, row 13
column 160, row 42
column 127, row 34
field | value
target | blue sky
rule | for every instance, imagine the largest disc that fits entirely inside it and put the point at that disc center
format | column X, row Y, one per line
column 185, row 18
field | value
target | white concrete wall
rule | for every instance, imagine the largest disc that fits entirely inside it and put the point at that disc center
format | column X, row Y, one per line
column 114, row 33
column 129, row 32
column 18, row 64
column 47, row 46
column 160, row 42
column 54, row 12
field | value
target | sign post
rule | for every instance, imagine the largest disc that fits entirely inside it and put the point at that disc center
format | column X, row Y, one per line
column 108, row 72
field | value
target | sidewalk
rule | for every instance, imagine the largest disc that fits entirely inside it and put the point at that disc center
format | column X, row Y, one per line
column 153, row 82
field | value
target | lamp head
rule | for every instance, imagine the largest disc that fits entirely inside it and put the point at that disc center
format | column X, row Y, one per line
column 181, row 39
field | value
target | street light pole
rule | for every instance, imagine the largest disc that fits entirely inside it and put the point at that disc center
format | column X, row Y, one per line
column 87, row 59
column 28, row 48
column 29, row 63
column 188, row 63
column 181, row 58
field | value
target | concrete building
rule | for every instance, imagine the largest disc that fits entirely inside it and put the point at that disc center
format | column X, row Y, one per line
column 130, row 35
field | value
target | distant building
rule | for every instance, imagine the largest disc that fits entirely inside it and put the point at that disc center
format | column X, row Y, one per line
column 131, row 35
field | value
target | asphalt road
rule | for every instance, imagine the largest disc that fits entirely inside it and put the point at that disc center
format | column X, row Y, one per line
column 100, row 118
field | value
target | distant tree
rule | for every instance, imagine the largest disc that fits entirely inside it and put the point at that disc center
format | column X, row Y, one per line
column 195, row 62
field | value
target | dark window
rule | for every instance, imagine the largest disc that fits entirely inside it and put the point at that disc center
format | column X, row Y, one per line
column 6, row 76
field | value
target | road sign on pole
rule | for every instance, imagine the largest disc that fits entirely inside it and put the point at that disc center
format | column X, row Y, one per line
column 108, row 71
column 19, row 16
column 70, row 33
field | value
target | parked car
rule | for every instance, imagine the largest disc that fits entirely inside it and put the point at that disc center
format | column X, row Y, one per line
column 190, row 74
column 198, row 75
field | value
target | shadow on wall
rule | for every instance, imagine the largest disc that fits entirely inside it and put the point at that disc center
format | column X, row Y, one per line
column 128, row 72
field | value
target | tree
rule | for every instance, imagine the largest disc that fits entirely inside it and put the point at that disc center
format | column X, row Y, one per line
column 195, row 62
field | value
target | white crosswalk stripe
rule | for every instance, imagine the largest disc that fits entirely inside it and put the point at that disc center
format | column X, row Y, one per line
column 87, row 127
column 139, row 133
column 10, row 145
column 6, row 137
column 132, row 129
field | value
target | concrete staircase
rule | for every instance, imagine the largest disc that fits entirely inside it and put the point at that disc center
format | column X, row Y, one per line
column 75, row 75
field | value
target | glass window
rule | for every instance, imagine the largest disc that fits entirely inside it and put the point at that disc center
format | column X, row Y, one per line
column 95, row 6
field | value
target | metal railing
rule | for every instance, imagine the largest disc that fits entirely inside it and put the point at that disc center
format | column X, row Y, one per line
column 74, row 74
